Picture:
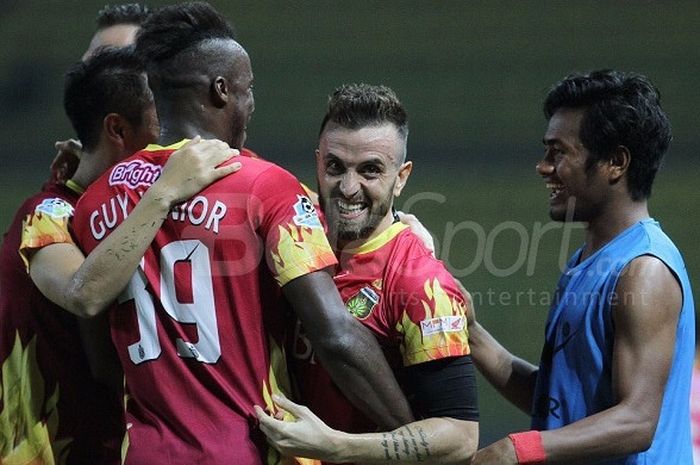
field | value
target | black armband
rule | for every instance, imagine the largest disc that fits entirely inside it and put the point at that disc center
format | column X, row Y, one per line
column 442, row 388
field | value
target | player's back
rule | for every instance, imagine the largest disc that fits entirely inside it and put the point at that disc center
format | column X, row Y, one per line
column 199, row 329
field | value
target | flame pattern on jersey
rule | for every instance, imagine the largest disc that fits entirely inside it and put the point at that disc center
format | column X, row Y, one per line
column 41, row 229
column 29, row 419
column 442, row 333
column 280, row 384
column 300, row 251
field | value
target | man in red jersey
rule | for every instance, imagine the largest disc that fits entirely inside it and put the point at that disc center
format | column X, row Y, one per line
column 52, row 409
column 390, row 282
column 199, row 328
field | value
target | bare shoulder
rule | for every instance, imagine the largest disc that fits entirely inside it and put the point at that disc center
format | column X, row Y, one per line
column 647, row 285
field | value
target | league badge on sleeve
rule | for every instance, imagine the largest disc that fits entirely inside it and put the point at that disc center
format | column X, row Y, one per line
column 55, row 208
column 305, row 213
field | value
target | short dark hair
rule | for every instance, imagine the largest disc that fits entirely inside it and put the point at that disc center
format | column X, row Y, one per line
column 176, row 28
column 125, row 13
column 354, row 106
column 111, row 81
column 620, row 109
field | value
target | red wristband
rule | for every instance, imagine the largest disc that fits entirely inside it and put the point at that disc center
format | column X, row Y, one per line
column 528, row 448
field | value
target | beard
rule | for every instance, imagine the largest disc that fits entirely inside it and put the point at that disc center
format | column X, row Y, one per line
column 343, row 230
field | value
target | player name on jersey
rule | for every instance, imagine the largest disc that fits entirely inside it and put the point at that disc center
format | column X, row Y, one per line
column 198, row 211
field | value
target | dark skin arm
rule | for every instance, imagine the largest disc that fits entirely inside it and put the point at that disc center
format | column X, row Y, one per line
column 513, row 377
column 645, row 317
column 347, row 350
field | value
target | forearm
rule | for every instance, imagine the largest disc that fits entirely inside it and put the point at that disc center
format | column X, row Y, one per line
column 618, row 431
column 108, row 268
column 354, row 360
column 347, row 350
column 430, row 441
column 513, row 377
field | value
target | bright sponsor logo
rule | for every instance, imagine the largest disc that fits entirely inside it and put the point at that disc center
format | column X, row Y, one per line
column 442, row 324
column 305, row 213
column 55, row 208
column 134, row 173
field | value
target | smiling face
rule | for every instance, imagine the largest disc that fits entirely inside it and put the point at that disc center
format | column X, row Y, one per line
column 577, row 191
column 360, row 171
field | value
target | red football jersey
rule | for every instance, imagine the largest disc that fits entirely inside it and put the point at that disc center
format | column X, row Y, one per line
column 199, row 328
column 51, row 408
column 396, row 288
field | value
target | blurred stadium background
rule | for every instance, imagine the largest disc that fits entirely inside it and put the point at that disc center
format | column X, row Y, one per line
column 472, row 76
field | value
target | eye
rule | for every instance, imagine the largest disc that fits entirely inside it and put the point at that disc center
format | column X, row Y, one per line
column 371, row 171
column 333, row 167
column 553, row 152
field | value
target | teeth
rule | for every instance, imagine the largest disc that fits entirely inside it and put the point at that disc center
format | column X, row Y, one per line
column 555, row 187
column 350, row 207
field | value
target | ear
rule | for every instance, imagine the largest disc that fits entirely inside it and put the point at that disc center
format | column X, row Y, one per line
column 404, row 173
column 618, row 163
column 114, row 128
column 219, row 91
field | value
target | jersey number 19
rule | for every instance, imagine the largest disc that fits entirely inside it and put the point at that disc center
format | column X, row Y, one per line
column 188, row 255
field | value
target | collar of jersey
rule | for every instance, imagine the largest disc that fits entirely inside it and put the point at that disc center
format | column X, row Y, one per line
column 381, row 240
column 75, row 187
column 175, row 146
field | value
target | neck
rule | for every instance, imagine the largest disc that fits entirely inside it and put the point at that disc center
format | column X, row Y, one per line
column 184, row 117
column 174, row 131
column 92, row 165
column 617, row 217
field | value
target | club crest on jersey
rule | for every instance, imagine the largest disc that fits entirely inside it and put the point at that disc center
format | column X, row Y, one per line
column 134, row 173
column 362, row 303
column 55, row 208
column 443, row 324
column 305, row 213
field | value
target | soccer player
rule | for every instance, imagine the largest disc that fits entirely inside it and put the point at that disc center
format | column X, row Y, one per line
column 614, row 378
column 53, row 409
column 199, row 328
column 117, row 26
column 392, row 283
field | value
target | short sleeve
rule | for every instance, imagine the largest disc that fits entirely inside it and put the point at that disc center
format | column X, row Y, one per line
column 295, row 240
column 432, row 324
column 46, row 225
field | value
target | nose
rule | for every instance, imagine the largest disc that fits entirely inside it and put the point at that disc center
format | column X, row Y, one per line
column 349, row 184
column 544, row 167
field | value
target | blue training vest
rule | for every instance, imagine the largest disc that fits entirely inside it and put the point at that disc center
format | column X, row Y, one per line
column 574, row 379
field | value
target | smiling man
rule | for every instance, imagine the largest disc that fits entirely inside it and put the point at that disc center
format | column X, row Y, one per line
column 390, row 282
column 613, row 380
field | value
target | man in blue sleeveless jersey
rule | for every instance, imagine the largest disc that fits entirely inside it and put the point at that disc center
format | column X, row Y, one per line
column 613, row 381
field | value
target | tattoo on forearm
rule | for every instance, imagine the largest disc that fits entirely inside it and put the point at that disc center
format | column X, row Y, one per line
column 405, row 444
column 385, row 445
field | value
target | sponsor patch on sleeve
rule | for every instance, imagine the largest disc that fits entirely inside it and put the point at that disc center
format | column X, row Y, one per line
column 442, row 324
column 55, row 208
column 134, row 173
column 305, row 213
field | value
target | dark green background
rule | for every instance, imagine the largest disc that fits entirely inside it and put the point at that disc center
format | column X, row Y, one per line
column 472, row 76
